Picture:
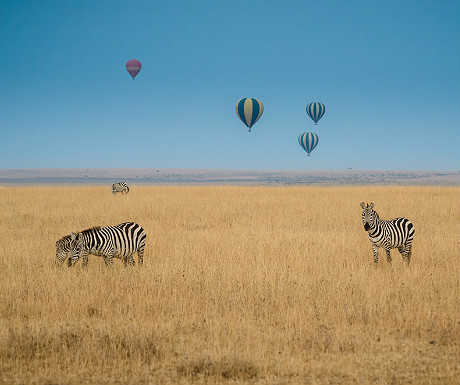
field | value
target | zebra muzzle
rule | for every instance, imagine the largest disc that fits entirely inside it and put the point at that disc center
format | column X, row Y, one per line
column 366, row 226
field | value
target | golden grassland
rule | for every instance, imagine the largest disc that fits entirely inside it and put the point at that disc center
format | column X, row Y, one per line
column 239, row 284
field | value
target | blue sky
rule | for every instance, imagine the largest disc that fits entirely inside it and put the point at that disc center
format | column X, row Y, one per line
column 387, row 71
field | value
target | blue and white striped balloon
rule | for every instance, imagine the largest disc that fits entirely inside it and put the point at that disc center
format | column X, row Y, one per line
column 308, row 141
column 249, row 110
column 316, row 111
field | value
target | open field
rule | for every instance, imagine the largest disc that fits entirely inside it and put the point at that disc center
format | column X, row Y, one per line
column 240, row 284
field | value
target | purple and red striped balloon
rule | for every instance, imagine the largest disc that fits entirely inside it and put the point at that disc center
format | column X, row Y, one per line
column 133, row 66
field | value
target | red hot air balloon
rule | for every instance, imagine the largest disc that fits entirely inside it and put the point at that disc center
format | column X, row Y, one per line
column 133, row 66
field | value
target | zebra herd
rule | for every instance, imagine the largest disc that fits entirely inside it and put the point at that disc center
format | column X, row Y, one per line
column 120, row 241
column 123, row 240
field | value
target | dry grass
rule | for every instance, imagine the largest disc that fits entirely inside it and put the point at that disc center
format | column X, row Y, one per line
column 239, row 284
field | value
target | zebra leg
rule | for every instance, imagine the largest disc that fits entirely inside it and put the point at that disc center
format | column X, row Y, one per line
column 388, row 255
column 140, row 256
column 85, row 260
column 375, row 249
column 130, row 260
column 407, row 253
column 108, row 259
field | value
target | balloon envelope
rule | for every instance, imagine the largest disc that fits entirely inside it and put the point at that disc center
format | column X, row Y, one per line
column 308, row 141
column 133, row 67
column 249, row 110
column 316, row 111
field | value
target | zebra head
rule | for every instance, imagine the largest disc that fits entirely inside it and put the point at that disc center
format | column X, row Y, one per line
column 62, row 248
column 76, row 247
column 61, row 251
column 368, row 215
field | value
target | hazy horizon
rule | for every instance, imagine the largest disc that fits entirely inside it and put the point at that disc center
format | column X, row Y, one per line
column 212, row 176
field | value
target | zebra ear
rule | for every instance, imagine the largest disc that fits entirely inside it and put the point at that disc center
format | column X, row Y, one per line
column 79, row 237
column 363, row 206
column 371, row 206
column 73, row 236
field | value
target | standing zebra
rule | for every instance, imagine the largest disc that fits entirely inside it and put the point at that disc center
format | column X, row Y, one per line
column 63, row 249
column 120, row 187
column 120, row 241
column 395, row 233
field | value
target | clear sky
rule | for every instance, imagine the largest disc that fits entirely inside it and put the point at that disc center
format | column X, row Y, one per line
column 387, row 71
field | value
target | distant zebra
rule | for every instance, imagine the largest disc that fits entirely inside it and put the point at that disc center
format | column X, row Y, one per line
column 120, row 187
column 395, row 233
column 120, row 241
column 63, row 249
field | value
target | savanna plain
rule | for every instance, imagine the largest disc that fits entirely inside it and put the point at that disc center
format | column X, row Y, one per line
column 262, row 285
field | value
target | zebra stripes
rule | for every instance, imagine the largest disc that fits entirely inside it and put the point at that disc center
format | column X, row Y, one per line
column 120, row 187
column 120, row 241
column 395, row 233
column 63, row 249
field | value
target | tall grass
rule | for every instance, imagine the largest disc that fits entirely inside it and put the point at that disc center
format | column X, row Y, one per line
column 239, row 284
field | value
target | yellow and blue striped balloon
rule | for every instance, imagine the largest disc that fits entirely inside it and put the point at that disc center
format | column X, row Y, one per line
column 316, row 111
column 249, row 110
column 308, row 141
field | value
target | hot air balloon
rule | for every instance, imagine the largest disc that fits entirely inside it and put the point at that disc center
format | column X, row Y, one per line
column 308, row 141
column 249, row 110
column 316, row 111
column 133, row 66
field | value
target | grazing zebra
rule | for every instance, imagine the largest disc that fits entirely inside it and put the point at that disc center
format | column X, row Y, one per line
column 395, row 233
column 63, row 249
column 120, row 187
column 120, row 241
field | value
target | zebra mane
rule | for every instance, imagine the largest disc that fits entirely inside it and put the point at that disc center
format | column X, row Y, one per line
column 376, row 214
column 91, row 230
column 63, row 240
